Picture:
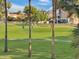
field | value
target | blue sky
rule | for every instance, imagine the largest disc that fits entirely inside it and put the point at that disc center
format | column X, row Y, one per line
column 19, row 4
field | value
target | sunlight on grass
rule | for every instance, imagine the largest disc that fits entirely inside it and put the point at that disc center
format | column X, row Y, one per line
column 39, row 31
column 41, row 42
column 5, row 57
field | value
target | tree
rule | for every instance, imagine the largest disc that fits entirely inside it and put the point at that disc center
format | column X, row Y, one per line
column 2, row 8
column 19, row 12
column 40, row 16
column 69, row 5
column 37, row 15
column 54, row 3
column 76, row 36
column 6, row 19
column 30, row 29
column 22, row 18
column 33, row 10
column 73, row 8
column 43, row 15
column 77, row 10
column 75, row 41
column 9, row 5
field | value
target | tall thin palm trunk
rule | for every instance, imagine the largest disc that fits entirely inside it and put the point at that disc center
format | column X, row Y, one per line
column 30, row 24
column 53, row 56
column 6, row 41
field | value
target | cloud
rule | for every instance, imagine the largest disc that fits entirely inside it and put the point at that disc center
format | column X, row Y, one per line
column 15, row 8
column 44, row 1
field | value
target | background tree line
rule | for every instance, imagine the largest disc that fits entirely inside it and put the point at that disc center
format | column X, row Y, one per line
column 2, row 8
column 36, row 15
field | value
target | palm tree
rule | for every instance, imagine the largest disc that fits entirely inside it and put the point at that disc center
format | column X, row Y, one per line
column 68, row 5
column 54, row 2
column 30, row 39
column 6, row 18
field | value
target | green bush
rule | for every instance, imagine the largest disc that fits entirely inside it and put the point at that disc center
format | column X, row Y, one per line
column 75, row 41
column 10, row 18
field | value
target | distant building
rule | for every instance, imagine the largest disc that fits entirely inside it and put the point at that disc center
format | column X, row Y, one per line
column 62, row 16
column 16, row 15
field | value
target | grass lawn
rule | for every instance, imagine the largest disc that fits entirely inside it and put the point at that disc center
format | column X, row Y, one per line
column 40, row 31
column 41, row 43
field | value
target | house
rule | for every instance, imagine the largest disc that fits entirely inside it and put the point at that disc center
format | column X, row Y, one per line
column 61, row 16
column 17, row 15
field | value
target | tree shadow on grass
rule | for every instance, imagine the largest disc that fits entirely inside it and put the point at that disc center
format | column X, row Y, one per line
column 64, row 48
column 18, row 49
column 61, row 37
column 41, row 49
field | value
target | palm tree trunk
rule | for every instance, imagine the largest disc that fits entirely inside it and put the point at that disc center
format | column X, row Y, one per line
column 6, row 45
column 30, row 39
column 53, row 56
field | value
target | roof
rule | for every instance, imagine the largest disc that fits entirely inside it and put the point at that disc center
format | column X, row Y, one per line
column 15, row 15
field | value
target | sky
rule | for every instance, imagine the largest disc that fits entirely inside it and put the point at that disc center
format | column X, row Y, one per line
column 18, row 5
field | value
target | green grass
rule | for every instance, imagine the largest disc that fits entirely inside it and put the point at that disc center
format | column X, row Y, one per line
column 41, row 49
column 41, row 42
column 40, row 31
